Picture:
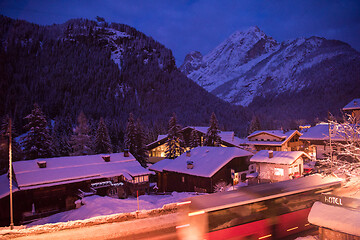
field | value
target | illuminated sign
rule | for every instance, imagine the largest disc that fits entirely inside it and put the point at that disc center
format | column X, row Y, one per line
column 340, row 201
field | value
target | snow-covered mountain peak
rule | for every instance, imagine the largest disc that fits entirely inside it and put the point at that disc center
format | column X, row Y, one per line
column 231, row 58
column 251, row 32
column 249, row 64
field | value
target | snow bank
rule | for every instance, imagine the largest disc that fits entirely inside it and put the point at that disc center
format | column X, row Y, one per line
column 329, row 217
column 99, row 210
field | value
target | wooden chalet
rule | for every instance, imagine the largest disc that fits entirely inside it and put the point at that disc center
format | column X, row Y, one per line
column 157, row 149
column 200, row 169
column 276, row 140
column 316, row 140
column 353, row 108
column 47, row 186
column 275, row 166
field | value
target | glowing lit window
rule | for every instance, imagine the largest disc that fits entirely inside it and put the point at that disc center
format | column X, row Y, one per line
column 278, row 171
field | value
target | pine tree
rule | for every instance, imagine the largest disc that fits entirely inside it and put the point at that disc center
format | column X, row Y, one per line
column 116, row 134
column 102, row 139
column 130, row 135
column 81, row 140
column 37, row 142
column 194, row 139
column 212, row 137
column 254, row 125
column 62, row 132
column 141, row 153
column 175, row 141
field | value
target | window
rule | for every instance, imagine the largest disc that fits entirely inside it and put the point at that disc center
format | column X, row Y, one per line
column 113, row 191
column 278, row 171
column 183, row 179
column 230, row 217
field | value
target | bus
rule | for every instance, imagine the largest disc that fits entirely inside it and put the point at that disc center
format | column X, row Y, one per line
column 263, row 211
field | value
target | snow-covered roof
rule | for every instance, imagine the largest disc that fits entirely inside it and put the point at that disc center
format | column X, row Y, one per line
column 159, row 166
column 285, row 136
column 353, row 105
column 160, row 137
column 226, row 136
column 206, row 160
column 4, row 186
column 320, row 132
column 327, row 216
column 279, row 157
column 64, row 170
column 276, row 133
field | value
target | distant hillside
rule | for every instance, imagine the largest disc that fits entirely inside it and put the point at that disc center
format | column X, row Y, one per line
column 105, row 70
column 300, row 79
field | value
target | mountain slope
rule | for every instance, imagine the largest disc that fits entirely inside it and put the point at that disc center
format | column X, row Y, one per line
column 255, row 70
column 105, row 70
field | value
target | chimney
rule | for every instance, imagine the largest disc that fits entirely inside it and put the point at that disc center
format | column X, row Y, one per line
column 188, row 153
column 41, row 164
column 126, row 153
column 190, row 164
column 271, row 154
column 106, row 158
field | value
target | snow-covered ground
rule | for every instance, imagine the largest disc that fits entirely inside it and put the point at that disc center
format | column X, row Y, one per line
column 98, row 206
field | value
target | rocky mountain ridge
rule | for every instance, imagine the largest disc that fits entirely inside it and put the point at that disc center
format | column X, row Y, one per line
column 251, row 64
column 301, row 79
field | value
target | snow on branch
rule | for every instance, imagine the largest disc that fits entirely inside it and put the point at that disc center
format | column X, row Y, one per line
column 344, row 145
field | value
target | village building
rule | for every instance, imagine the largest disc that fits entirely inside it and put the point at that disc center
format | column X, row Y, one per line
column 47, row 186
column 157, row 149
column 275, row 166
column 353, row 108
column 276, row 140
column 316, row 140
column 5, row 199
column 201, row 169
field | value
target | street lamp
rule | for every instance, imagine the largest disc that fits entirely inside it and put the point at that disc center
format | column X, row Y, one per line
column 10, row 179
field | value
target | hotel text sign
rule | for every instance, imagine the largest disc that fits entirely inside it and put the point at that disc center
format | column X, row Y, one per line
column 333, row 200
column 340, row 201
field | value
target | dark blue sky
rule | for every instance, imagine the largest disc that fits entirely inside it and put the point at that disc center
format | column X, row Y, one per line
column 201, row 25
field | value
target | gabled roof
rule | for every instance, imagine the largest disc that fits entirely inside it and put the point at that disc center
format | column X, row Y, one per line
column 279, row 157
column 4, row 186
column 161, row 136
column 206, row 160
column 63, row 170
column 226, row 136
column 160, row 165
column 275, row 133
column 285, row 136
column 353, row 105
column 320, row 132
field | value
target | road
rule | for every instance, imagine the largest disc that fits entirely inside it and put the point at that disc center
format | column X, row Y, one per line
column 155, row 228
column 160, row 227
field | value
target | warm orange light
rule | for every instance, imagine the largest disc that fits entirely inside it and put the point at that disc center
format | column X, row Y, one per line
column 182, row 226
column 265, row 236
column 196, row 213
column 183, row 203
column 290, row 229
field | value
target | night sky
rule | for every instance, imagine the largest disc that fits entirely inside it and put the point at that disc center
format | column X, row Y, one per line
column 184, row 26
